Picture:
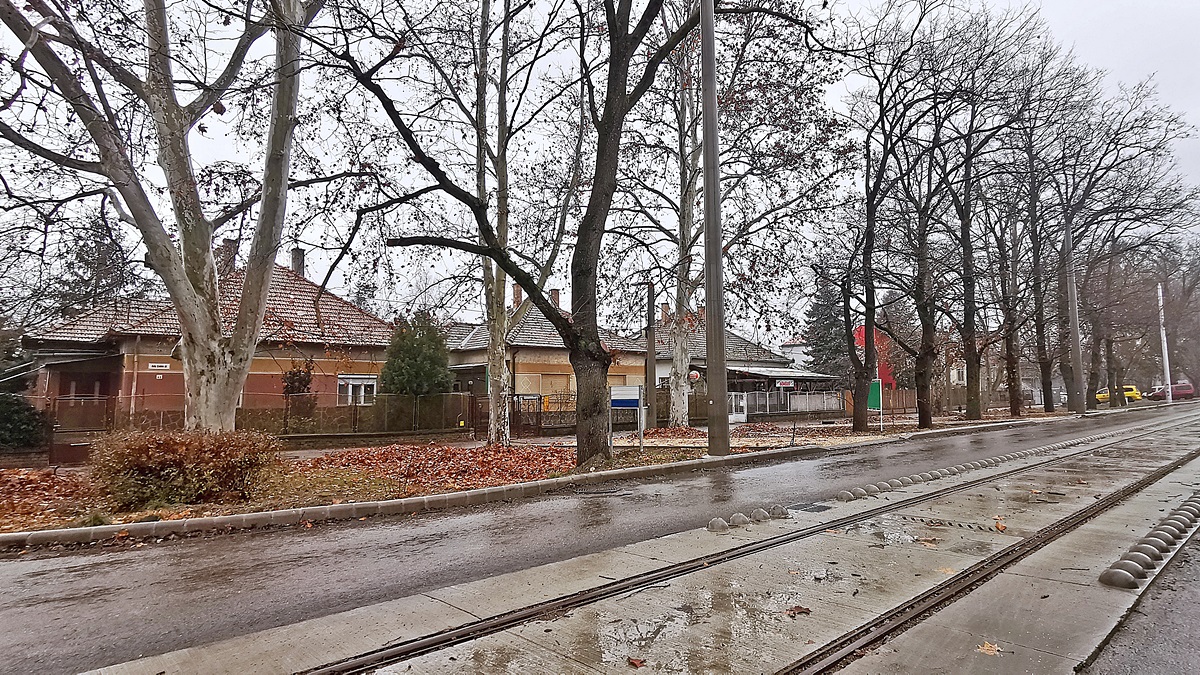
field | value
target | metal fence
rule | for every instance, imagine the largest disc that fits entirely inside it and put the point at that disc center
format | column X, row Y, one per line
column 273, row 413
column 769, row 402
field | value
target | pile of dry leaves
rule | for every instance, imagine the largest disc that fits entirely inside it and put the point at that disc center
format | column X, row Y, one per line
column 40, row 497
column 439, row 467
column 673, row 432
column 757, row 430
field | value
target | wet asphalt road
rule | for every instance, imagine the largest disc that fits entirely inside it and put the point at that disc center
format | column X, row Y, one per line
column 72, row 612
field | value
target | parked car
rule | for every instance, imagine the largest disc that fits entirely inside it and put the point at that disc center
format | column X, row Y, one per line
column 1181, row 391
column 1132, row 393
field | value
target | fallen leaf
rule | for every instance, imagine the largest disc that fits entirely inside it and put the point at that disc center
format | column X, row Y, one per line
column 1000, row 527
column 989, row 649
column 946, row 570
column 1035, row 492
column 797, row 611
column 636, row 663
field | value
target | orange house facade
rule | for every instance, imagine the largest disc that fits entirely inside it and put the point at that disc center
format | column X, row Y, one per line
column 113, row 366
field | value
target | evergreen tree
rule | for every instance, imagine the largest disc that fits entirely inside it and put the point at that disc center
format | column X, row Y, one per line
column 824, row 335
column 417, row 359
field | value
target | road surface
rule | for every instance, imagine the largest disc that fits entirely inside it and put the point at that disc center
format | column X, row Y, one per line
column 75, row 611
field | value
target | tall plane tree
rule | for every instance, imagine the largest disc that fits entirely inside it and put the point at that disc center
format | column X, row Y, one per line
column 110, row 100
column 620, row 49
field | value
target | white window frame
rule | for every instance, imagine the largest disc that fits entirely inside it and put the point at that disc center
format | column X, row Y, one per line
column 355, row 389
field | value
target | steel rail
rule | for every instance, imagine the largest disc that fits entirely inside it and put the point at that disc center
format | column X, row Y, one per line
column 830, row 656
column 402, row 651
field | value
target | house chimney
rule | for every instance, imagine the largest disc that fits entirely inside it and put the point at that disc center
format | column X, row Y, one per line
column 554, row 298
column 666, row 310
column 298, row 260
column 516, row 296
column 226, row 256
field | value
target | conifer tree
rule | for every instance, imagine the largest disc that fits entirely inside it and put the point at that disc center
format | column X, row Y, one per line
column 417, row 359
column 824, row 334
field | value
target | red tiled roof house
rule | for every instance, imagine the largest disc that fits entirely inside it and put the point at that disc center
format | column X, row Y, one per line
column 113, row 365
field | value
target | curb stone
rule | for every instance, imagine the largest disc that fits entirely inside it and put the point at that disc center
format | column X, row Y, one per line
column 285, row 517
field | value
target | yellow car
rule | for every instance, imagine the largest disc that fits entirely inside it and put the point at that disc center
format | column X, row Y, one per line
column 1131, row 394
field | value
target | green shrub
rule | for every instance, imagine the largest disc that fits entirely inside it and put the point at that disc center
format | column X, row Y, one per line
column 21, row 424
column 143, row 468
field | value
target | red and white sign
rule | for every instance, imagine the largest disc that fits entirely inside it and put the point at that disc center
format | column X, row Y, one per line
column 785, row 384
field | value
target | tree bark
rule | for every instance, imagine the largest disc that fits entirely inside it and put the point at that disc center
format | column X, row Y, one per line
column 1096, row 360
column 680, row 366
column 591, row 406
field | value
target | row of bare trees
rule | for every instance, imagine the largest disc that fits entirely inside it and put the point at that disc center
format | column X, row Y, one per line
column 995, row 168
column 516, row 141
column 490, row 137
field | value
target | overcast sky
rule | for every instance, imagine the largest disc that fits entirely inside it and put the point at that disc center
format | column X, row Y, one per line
column 1134, row 39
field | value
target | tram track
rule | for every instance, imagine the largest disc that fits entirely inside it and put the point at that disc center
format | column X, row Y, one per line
column 837, row 651
column 834, row 655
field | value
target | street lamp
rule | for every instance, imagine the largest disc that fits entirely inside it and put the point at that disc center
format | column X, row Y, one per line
column 1077, row 401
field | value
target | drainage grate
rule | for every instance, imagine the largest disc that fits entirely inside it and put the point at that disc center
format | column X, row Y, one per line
column 811, row 508
column 942, row 522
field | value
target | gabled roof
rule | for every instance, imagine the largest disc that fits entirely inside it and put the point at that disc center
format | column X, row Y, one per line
column 456, row 332
column 535, row 330
column 737, row 348
column 291, row 316
column 97, row 323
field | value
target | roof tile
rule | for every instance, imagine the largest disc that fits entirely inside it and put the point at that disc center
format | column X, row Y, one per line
column 291, row 315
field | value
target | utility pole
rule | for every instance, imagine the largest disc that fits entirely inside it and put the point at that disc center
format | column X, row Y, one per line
column 651, row 386
column 714, row 276
column 1079, row 403
column 1162, row 332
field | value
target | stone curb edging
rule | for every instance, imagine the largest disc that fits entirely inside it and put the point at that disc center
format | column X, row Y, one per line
column 162, row 528
column 1156, row 548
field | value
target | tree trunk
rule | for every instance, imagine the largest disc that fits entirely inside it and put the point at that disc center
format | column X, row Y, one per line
column 1093, row 382
column 591, row 407
column 213, row 376
column 499, row 377
column 1064, row 332
column 680, row 366
column 1116, row 388
column 1012, row 371
column 688, row 148
column 968, row 329
column 973, row 361
column 1045, row 363
column 926, row 356
column 924, row 381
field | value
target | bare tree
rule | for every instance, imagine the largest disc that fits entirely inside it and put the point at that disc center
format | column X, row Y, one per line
column 781, row 154
column 113, row 97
